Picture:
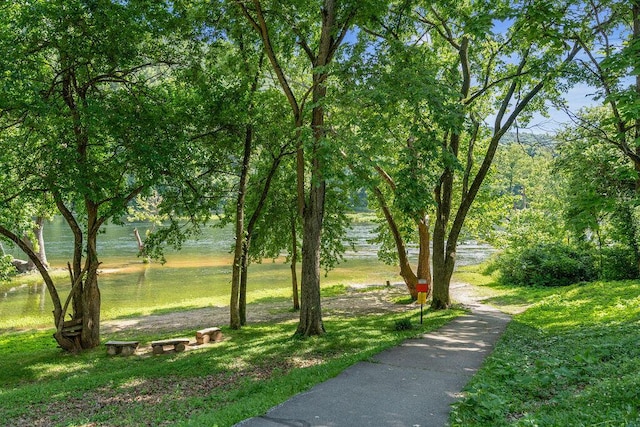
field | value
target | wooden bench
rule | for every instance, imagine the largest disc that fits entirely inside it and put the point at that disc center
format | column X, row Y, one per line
column 177, row 344
column 125, row 348
column 203, row 336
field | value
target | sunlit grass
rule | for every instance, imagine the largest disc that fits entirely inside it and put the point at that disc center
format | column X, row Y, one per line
column 332, row 291
column 572, row 359
column 252, row 370
column 510, row 299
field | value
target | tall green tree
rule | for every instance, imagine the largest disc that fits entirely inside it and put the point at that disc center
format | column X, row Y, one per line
column 315, row 31
column 514, row 69
column 496, row 60
column 257, row 141
column 92, row 127
column 600, row 194
column 610, row 66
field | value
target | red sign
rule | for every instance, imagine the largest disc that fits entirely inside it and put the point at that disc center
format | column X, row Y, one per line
column 422, row 285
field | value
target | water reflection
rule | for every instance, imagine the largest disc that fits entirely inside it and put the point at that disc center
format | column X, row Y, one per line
column 36, row 297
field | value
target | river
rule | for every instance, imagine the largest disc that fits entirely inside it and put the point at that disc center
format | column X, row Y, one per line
column 198, row 275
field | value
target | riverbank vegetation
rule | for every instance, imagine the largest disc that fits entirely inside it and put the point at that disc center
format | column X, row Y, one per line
column 284, row 118
column 571, row 358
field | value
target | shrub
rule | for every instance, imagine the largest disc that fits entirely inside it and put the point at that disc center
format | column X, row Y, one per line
column 617, row 263
column 546, row 265
column 403, row 325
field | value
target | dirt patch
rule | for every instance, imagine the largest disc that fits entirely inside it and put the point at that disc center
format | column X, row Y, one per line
column 357, row 301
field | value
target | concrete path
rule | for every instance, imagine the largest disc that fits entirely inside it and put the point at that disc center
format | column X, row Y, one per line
column 412, row 385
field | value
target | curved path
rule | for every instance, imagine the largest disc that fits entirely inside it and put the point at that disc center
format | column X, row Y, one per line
column 411, row 385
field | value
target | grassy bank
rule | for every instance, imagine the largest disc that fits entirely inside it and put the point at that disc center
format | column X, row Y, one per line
column 136, row 289
column 250, row 371
column 571, row 359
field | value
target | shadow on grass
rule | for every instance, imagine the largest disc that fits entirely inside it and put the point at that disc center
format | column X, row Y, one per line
column 403, row 300
column 271, row 300
column 157, row 312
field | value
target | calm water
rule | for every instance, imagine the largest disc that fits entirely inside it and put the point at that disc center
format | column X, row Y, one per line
column 198, row 275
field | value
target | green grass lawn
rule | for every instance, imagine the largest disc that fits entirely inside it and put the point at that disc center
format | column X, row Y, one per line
column 571, row 359
column 252, row 370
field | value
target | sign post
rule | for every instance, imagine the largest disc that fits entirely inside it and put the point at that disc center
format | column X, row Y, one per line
column 423, row 290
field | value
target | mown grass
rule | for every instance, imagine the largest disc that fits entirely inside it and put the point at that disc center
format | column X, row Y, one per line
column 252, row 370
column 571, row 359
column 510, row 299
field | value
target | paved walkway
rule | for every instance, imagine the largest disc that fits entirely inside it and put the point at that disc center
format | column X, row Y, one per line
column 412, row 385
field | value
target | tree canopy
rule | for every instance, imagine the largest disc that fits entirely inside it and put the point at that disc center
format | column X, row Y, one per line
column 276, row 113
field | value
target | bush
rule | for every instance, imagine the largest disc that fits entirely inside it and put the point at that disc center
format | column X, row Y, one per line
column 403, row 325
column 546, row 265
column 617, row 263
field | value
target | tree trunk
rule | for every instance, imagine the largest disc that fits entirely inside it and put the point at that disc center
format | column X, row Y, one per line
column 406, row 272
column 136, row 234
column 294, row 263
column 244, row 271
column 243, row 237
column 85, row 294
column 311, row 208
column 424, row 255
column 58, row 312
column 310, row 307
column 91, row 300
column 313, row 213
column 441, row 278
column 441, row 299
column 235, row 321
column 38, row 234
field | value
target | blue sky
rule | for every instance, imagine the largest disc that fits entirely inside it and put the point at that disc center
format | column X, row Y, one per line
column 578, row 97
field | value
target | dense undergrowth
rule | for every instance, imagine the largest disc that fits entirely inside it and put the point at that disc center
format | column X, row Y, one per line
column 555, row 264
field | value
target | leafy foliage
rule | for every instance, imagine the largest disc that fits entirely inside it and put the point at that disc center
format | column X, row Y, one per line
column 546, row 265
column 600, row 188
column 527, row 185
column 90, row 127
column 7, row 270
column 617, row 263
